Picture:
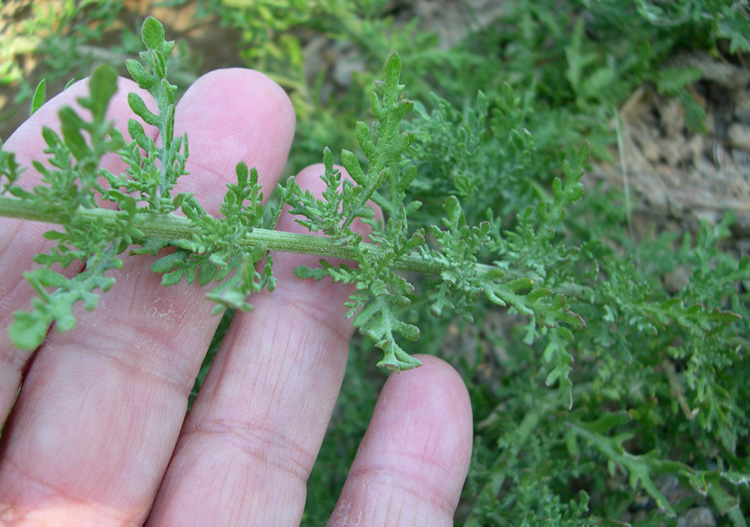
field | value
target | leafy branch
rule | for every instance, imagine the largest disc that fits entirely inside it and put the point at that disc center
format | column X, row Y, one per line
column 232, row 251
column 642, row 469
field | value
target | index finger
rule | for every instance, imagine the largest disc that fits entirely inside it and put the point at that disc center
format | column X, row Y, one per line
column 20, row 240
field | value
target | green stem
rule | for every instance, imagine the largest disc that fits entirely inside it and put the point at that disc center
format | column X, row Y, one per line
column 173, row 227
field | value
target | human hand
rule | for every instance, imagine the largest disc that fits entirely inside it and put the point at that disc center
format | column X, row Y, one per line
column 98, row 435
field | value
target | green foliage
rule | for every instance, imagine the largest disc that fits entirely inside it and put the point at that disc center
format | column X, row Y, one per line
column 63, row 35
column 154, row 170
column 597, row 389
column 273, row 41
column 640, row 469
column 71, row 194
column 70, row 184
column 214, row 251
column 9, row 171
column 382, row 295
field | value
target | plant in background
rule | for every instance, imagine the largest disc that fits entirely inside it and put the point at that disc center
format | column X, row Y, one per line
column 479, row 209
column 59, row 34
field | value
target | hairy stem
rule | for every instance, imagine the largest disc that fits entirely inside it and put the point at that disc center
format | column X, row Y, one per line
column 173, row 227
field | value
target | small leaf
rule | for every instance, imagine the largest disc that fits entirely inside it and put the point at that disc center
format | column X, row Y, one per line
column 173, row 277
column 241, row 171
column 351, row 163
column 135, row 129
column 144, row 79
column 152, row 33
column 70, row 127
column 139, row 107
column 168, row 262
column 28, row 330
column 393, row 67
column 206, row 273
column 364, row 138
column 102, row 86
column 453, row 211
column 48, row 278
column 40, row 96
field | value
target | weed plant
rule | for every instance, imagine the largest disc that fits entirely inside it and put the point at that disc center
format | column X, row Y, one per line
column 595, row 389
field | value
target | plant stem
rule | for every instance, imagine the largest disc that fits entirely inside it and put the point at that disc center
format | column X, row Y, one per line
column 173, row 227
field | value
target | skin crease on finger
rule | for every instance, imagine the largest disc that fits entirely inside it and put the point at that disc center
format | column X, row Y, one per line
column 109, row 397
